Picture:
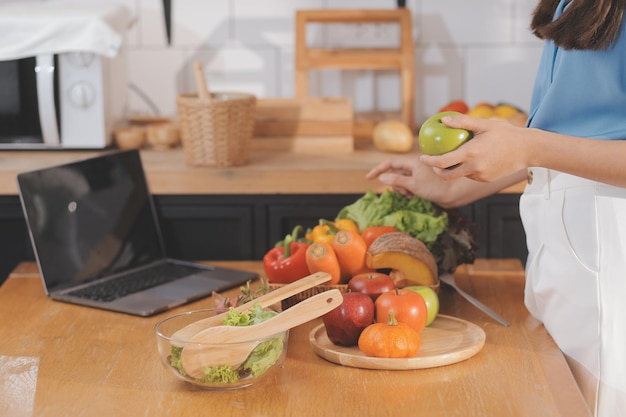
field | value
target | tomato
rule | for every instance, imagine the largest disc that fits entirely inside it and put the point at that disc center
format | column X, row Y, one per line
column 371, row 233
column 456, row 105
column 408, row 306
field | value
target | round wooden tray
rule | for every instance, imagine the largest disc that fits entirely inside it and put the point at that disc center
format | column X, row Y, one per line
column 446, row 341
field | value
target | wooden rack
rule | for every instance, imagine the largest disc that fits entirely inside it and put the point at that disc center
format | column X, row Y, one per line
column 401, row 58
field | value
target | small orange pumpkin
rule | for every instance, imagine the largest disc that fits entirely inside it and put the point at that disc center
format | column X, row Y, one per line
column 389, row 340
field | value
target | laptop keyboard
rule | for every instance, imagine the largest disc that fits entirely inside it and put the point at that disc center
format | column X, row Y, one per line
column 133, row 282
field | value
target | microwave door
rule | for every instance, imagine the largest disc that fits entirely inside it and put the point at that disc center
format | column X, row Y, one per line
column 19, row 111
column 44, row 70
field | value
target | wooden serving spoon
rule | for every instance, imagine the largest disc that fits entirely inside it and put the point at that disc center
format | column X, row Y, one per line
column 243, row 339
column 189, row 331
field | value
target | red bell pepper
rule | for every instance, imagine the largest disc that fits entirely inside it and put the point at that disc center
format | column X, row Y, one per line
column 286, row 262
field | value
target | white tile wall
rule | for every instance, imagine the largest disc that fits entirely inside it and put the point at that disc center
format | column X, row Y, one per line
column 478, row 50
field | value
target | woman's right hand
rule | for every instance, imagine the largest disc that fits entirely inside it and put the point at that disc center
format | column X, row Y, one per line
column 410, row 177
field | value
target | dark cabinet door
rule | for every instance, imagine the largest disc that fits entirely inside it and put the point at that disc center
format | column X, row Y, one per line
column 201, row 229
column 507, row 238
column 15, row 245
column 304, row 210
column 500, row 231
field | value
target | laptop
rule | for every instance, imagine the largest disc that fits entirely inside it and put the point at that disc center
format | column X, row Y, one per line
column 94, row 229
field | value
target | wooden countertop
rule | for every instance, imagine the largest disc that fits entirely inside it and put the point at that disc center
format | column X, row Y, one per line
column 58, row 359
column 273, row 169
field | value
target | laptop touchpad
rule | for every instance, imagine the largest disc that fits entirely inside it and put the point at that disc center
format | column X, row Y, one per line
column 185, row 287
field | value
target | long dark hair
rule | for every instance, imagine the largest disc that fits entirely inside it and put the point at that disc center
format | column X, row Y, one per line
column 585, row 24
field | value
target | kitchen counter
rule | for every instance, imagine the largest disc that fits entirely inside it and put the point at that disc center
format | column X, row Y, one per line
column 272, row 169
column 58, row 359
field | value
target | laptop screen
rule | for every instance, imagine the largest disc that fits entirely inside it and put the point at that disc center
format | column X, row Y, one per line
column 90, row 218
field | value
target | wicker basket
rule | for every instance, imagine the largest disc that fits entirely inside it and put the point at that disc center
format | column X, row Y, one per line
column 216, row 131
column 295, row 299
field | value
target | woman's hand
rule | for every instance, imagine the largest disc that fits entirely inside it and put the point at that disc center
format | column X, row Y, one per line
column 497, row 150
column 409, row 177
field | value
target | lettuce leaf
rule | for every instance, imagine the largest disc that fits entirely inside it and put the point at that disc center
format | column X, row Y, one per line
column 264, row 355
column 414, row 216
column 425, row 227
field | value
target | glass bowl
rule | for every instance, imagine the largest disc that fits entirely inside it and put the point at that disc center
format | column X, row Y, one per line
column 267, row 356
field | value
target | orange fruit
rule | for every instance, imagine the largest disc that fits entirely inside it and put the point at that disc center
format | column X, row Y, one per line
column 483, row 111
column 504, row 111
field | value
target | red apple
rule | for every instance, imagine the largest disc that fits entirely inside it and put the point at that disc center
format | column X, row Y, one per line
column 345, row 323
column 371, row 283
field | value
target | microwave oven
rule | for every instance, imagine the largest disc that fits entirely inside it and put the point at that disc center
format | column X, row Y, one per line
column 61, row 101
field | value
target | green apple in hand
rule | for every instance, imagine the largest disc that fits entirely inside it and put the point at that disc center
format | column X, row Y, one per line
column 431, row 298
column 435, row 138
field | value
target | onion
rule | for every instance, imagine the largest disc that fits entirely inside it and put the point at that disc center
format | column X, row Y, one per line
column 392, row 136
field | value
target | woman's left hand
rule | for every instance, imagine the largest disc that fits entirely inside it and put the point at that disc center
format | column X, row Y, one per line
column 496, row 150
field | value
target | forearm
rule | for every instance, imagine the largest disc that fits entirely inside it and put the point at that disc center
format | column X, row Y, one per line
column 409, row 177
column 594, row 159
column 466, row 191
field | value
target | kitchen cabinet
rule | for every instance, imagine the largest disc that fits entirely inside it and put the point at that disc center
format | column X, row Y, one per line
column 501, row 230
column 14, row 241
column 238, row 227
column 244, row 227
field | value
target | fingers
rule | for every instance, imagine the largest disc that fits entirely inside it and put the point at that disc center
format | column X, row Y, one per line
column 401, row 183
column 377, row 170
column 463, row 121
column 403, row 191
column 388, row 175
column 448, row 166
column 445, row 161
column 390, row 165
column 453, row 172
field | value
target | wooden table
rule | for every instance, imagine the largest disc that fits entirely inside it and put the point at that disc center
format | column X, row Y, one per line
column 60, row 360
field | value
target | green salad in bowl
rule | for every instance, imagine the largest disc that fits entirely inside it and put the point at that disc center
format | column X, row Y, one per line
column 269, row 353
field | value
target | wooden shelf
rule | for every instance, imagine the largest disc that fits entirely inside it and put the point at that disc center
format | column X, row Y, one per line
column 401, row 58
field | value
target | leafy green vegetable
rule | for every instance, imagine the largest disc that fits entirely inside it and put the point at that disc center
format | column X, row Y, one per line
column 414, row 216
column 220, row 375
column 247, row 318
column 445, row 232
column 264, row 355
column 175, row 359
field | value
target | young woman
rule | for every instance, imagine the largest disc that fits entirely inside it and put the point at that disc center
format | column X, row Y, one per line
column 573, row 155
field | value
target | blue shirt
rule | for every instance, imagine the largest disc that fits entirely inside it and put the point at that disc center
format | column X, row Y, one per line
column 581, row 93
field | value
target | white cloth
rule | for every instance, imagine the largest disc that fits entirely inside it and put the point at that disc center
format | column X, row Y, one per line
column 32, row 28
column 576, row 276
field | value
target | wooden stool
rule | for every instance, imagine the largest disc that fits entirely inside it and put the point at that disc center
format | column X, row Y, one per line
column 401, row 58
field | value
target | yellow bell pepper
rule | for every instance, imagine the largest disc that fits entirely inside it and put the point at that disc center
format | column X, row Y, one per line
column 346, row 224
column 325, row 231
column 320, row 233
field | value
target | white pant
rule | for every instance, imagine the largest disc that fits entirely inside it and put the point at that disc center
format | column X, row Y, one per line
column 576, row 277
